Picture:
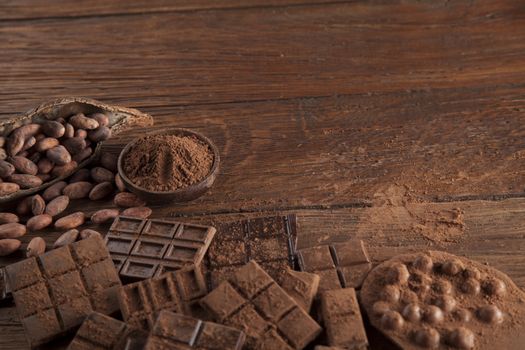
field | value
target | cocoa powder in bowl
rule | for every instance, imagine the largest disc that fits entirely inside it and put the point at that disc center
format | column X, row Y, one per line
column 164, row 163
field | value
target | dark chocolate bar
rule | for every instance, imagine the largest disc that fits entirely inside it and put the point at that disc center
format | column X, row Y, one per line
column 143, row 249
column 177, row 291
column 176, row 331
column 301, row 286
column 270, row 241
column 342, row 319
column 340, row 265
column 55, row 291
column 252, row 301
column 101, row 332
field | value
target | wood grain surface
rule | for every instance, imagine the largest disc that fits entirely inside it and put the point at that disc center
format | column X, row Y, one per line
column 398, row 122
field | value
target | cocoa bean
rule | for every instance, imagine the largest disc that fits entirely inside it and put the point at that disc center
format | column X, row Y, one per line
column 24, row 165
column 104, row 215
column 101, row 190
column 39, row 222
column 99, row 174
column 89, row 233
column 137, row 212
column 53, row 129
column 6, row 169
column 35, row 157
column 81, row 133
column 81, row 175
column 62, row 170
column 45, row 166
column 78, row 190
column 54, row 190
column 36, row 247
column 128, row 200
column 70, row 131
column 80, row 121
column 109, row 161
column 38, row 205
column 26, row 180
column 24, row 206
column 30, row 142
column 8, row 246
column 74, row 145
column 101, row 118
column 82, row 155
column 18, row 137
column 71, row 221
column 57, row 205
column 12, row 230
column 39, row 137
column 23, row 154
column 3, row 154
column 7, row 218
column 46, row 143
column 2, row 141
column 58, row 155
column 66, row 238
column 7, row 188
column 100, row 134
column 44, row 177
column 120, row 184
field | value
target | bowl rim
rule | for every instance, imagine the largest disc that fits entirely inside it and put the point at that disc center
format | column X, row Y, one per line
column 170, row 131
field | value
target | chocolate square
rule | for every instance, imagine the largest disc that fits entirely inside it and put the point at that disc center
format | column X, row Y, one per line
column 144, row 249
column 58, row 294
column 301, row 286
column 251, row 300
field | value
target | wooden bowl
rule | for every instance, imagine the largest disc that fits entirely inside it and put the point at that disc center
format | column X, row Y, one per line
column 184, row 194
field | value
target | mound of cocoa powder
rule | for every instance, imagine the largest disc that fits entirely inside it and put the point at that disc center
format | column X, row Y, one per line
column 167, row 162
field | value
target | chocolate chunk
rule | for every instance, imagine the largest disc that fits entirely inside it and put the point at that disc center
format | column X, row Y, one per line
column 301, row 286
column 177, row 291
column 252, row 301
column 102, row 332
column 340, row 265
column 143, row 249
column 176, row 331
column 342, row 319
column 55, row 291
column 270, row 241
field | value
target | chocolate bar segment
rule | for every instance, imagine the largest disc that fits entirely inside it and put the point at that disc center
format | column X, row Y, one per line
column 342, row 319
column 252, row 301
column 57, row 290
column 178, row 291
column 301, row 286
column 176, row 331
column 270, row 241
column 144, row 249
column 339, row 265
column 101, row 332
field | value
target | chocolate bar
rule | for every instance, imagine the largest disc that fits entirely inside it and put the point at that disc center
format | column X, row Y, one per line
column 101, row 332
column 270, row 241
column 177, row 291
column 342, row 319
column 301, row 286
column 144, row 249
column 340, row 265
column 252, row 301
column 55, row 291
column 176, row 331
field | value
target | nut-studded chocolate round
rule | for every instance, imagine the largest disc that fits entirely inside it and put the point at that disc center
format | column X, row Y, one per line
column 444, row 302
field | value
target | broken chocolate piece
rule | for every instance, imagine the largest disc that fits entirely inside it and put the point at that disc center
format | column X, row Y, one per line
column 55, row 291
column 270, row 241
column 340, row 265
column 301, row 286
column 102, row 332
column 252, row 301
column 176, row 331
column 177, row 291
column 144, row 249
column 342, row 319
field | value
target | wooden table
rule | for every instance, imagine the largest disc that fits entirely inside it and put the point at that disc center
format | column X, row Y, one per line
column 399, row 124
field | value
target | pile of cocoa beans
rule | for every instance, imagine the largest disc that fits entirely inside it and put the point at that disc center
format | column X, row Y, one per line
column 39, row 152
column 47, row 208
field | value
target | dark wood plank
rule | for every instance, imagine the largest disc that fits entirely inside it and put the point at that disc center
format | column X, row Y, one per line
column 263, row 53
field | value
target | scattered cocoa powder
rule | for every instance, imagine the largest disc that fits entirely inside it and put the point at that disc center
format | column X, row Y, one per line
column 167, row 162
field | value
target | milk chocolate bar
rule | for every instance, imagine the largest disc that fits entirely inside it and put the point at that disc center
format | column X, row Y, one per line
column 340, row 265
column 252, row 301
column 342, row 319
column 101, row 332
column 55, row 291
column 177, row 291
column 176, row 331
column 143, row 249
column 270, row 241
